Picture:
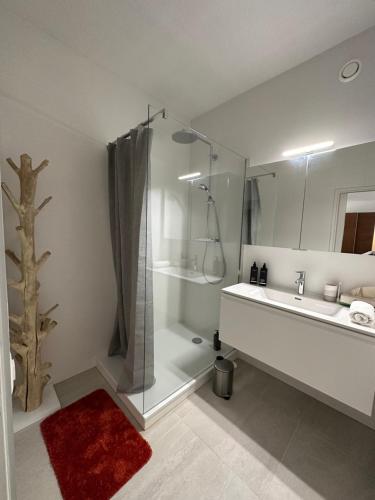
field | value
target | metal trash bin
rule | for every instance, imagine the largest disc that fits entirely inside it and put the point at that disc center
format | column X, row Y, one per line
column 223, row 377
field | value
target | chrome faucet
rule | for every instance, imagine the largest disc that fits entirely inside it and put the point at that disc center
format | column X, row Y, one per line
column 300, row 281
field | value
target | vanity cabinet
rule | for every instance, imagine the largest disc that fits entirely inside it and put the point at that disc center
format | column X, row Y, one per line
column 336, row 361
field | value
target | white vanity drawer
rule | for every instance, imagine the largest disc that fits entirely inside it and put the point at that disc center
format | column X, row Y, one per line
column 335, row 361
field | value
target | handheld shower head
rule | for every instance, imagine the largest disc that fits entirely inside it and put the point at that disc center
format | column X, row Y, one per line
column 204, row 187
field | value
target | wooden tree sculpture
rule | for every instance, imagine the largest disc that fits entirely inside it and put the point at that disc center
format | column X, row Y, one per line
column 27, row 330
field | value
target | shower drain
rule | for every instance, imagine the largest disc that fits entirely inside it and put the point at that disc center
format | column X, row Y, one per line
column 197, row 340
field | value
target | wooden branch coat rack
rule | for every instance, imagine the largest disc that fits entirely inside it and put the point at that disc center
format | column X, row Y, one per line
column 28, row 329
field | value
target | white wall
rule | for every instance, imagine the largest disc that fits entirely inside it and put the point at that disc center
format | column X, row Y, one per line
column 201, row 302
column 361, row 202
column 302, row 106
column 313, row 187
column 320, row 267
column 169, row 217
column 281, row 200
column 73, row 226
column 341, row 171
column 55, row 104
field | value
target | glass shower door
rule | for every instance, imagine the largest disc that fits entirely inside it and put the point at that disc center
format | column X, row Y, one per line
column 196, row 194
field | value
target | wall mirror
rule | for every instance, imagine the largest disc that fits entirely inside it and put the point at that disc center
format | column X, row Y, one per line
column 273, row 204
column 320, row 202
column 356, row 233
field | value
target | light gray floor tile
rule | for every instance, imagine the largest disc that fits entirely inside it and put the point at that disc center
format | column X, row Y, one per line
column 249, row 384
column 84, row 383
column 186, row 406
column 268, row 442
column 34, row 474
column 30, row 439
column 182, row 468
column 80, row 385
column 236, row 489
column 314, row 468
column 286, row 399
column 353, row 438
column 251, row 432
column 158, row 431
column 37, row 483
column 234, row 445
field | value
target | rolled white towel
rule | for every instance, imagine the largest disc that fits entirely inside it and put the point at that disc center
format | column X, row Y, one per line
column 362, row 313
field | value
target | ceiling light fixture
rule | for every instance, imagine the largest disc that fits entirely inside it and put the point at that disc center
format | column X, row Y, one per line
column 321, row 147
column 189, row 177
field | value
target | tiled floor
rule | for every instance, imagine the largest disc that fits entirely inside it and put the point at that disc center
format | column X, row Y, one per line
column 269, row 441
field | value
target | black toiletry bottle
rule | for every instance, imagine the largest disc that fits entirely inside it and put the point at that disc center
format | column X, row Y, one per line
column 263, row 276
column 254, row 274
column 217, row 341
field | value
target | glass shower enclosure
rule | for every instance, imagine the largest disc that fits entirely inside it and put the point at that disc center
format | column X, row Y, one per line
column 194, row 247
column 194, row 199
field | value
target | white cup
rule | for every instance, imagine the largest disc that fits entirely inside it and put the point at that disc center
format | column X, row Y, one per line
column 330, row 292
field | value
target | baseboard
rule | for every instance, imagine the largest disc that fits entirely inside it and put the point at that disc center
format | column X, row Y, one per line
column 50, row 404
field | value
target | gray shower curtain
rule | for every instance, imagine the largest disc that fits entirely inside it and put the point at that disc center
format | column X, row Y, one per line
column 133, row 335
column 252, row 212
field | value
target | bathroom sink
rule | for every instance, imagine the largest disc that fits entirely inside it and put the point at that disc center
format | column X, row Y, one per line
column 300, row 301
column 286, row 298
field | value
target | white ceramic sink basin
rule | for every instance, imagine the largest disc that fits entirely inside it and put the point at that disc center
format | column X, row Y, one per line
column 286, row 299
column 300, row 301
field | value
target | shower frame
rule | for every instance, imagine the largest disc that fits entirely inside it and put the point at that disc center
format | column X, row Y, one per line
column 148, row 417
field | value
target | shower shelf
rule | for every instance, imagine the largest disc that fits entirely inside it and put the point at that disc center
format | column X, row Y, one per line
column 185, row 274
column 207, row 240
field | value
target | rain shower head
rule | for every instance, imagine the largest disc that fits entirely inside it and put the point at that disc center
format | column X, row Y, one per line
column 203, row 187
column 184, row 136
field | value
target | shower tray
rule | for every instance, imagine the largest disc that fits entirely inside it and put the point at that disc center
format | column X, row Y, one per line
column 177, row 376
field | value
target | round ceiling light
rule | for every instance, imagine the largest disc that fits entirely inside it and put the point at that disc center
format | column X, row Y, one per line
column 350, row 70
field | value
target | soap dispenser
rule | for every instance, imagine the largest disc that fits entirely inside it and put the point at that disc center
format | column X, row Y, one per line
column 263, row 275
column 254, row 274
column 217, row 341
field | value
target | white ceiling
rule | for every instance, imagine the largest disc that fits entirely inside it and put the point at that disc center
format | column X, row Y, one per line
column 193, row 55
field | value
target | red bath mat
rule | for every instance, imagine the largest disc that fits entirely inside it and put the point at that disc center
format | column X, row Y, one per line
column 93, row 448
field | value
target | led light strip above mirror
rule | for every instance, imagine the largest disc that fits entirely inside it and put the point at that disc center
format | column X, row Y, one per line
column 189, row 177
column 319, row 147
